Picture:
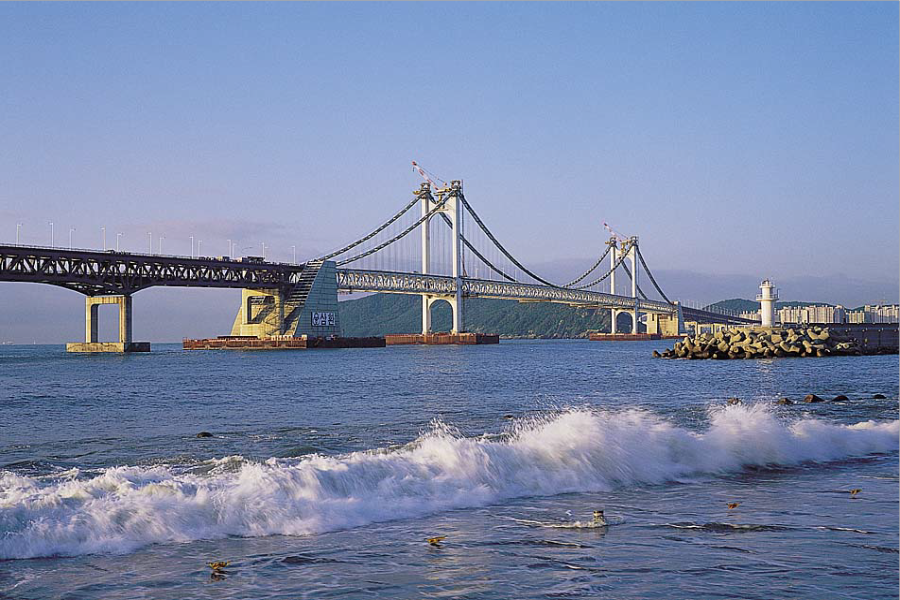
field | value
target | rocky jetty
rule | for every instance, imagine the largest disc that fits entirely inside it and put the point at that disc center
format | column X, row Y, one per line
column 759, row 342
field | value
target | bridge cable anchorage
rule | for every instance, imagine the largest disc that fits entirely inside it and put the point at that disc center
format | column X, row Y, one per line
column 500, row 246
column 402, row 234
column 591, row 270
column 384, row 226
column 619, row 262
column 650, row 275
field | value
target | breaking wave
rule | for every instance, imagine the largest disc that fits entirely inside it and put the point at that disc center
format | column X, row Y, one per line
column 124, row 508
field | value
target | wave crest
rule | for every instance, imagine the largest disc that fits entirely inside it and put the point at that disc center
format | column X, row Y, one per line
column 124, row 508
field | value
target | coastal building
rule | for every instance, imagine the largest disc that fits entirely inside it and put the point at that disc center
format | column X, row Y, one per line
column 812, row 314
column 875, row 313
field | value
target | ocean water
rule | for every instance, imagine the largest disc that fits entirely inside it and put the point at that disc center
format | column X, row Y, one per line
column 327, row 470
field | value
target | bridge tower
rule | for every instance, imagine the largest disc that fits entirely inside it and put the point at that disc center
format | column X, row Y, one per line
column 632, row 254
column 613, row 250
column 448, row 203
column 629, row 247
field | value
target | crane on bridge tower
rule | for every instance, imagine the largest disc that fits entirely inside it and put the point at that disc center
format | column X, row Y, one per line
column 429, row 177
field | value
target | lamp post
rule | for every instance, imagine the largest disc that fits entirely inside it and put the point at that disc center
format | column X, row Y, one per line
column 199, row 246
column 103, row 229
column 159, row 250
column 51, row 234
column 118, row 235
column 192, row 246
column 294, row 253
column 264, row 250
column 71, row 231
column 228, row 253
column 18, row 227
column 150, row 242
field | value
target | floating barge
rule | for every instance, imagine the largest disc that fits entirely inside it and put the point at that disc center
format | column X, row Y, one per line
column 437, row 339
column 249, row 342
column 631, row 337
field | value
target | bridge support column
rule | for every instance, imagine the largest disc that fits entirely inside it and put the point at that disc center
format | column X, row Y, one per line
column 426, row 315
column 613, row 313
column 455, row 303
column 91, row 321
column 91, row 327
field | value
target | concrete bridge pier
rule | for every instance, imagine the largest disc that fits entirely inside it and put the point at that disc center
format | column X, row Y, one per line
column 92, row 326
column 455, row 303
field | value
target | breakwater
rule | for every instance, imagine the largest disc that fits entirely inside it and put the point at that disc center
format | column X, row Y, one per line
column 759, row 342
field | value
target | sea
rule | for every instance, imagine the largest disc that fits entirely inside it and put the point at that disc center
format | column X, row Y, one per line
column 324, row 473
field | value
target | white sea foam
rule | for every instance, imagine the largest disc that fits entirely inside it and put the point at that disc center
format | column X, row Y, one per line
column 579, row 450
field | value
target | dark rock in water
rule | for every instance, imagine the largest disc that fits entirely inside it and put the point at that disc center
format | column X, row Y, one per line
column 812, row 398
column 840, row 398
column 784, row 401
column 656, row 354
column 204, row 434
column 879, row 396
column 733, row 401
column 508, row 416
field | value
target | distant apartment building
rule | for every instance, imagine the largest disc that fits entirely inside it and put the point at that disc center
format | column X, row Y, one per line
column 812, row 314
column 753, row 315
column 876, row 313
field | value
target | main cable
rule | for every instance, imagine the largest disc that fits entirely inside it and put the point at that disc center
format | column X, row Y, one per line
column 403, row 233
column 373, row 234
column 500, row 246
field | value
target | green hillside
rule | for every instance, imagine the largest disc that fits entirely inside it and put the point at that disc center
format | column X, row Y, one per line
column 381, row 314
column 744, row 305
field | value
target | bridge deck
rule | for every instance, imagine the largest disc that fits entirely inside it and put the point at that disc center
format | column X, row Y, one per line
column 93, row 272
column 355, row 280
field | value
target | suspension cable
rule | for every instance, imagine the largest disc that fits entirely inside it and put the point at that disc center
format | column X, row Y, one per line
column 619, row 262
column 469, row 245
column 373, row 234
column 591, row 270
column 500, row 246
column 636, row 285
column 650, row 275
column 424, row 217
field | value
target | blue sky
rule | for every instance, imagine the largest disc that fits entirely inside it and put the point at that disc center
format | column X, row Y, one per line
column 756, row 139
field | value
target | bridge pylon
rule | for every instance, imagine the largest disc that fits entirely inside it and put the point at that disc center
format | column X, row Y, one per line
column 447, row 203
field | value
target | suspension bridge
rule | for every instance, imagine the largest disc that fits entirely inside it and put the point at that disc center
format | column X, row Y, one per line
column 436, row 246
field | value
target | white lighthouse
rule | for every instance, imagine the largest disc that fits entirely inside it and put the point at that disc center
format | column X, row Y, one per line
column 767, row 303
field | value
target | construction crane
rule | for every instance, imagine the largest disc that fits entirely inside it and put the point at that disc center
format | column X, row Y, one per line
column 429, row 177
column 619, row 237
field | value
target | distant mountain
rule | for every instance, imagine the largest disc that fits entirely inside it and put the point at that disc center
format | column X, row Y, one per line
column 381, row 314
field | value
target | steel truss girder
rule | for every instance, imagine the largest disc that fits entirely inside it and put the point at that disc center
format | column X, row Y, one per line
column 93, row 273
column 356, row 280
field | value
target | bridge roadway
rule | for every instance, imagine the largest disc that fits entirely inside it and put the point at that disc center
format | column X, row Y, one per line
column 95, row 272
column 356, row 280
